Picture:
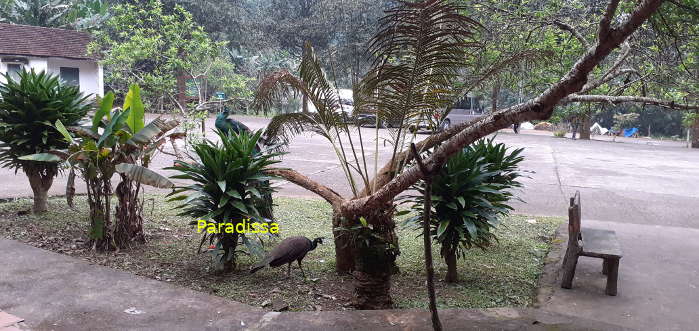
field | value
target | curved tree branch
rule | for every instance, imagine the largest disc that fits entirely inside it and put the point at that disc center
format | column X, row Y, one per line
column 299, row 179
column 621, row 99
column 573, row 31
column 539, row 108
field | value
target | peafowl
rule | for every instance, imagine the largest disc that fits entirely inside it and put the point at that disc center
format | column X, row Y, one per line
column 287, row 251
column 227, row 125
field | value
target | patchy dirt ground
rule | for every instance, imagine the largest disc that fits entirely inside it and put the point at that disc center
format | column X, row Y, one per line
column 504, row 275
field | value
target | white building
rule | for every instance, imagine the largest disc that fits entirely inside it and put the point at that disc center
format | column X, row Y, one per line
column 56, row 51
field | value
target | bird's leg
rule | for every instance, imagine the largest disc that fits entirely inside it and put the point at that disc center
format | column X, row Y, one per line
column 302, row 273
column 288, row 271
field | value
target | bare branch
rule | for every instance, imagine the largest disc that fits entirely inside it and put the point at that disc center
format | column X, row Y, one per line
column 597, row 83
column 573, row 31
column 604, row 24
column 626, row 50
column 299, row 179
column 622, row 99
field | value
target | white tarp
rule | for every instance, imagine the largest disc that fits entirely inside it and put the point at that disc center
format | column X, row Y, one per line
column 527, row 126
column 598, row 129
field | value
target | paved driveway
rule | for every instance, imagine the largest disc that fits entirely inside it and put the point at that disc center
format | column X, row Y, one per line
column 644, row 182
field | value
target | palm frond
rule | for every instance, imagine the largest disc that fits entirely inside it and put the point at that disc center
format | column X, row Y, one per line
column 419, row 50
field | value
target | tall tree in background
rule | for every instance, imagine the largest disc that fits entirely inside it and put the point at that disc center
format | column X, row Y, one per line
column 68, row 14
column 146, row 45
column 655, row 66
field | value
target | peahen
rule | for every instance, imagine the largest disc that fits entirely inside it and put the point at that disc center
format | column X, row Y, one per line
column 226, row 125
column 287, row 251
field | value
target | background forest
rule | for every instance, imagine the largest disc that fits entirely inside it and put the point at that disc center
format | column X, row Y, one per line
column 206, row 46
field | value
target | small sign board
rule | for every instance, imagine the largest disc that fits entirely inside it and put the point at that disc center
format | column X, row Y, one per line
column 220, row 95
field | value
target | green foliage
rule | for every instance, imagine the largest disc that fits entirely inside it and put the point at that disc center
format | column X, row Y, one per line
column 115, row 142
column 623, row 121
column 28, row 108
column 469, row 196
column 229, row 182
column 690, row 119
column 147, row 44
column 73, row 14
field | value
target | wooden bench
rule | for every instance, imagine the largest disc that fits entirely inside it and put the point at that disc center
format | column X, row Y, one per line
column 597, row 243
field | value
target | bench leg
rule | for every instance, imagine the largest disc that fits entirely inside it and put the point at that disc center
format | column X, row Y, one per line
column 571, row 261
column 605, row 267
column 612, row 275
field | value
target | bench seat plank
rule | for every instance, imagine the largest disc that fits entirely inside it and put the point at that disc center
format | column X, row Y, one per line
column 600, row 243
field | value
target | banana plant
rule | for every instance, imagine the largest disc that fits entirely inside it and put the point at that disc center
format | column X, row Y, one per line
column 116, row 141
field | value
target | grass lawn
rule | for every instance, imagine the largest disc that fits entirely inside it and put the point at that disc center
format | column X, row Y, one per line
column 506, row 275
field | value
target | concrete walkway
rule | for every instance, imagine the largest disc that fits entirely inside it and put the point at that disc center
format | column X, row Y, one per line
column 658, row 280
column 56, row 292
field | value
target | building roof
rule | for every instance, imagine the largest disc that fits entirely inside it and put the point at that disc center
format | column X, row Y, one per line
column 38, row 41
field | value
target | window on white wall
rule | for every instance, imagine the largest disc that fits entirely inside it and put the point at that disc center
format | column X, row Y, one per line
column 13, row 69
column 70, row 76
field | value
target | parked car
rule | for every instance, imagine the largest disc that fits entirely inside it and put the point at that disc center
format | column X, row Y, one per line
column 465, row 110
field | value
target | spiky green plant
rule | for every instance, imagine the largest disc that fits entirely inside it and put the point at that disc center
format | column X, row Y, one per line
column 469, row 196
column 229, row 184
column 29, row 106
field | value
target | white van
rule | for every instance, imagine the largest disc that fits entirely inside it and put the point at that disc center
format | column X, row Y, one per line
column 464, row 110
column 346, row 102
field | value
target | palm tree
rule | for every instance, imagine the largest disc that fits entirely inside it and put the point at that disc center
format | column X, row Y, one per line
column 418, row 53
column 419, row 50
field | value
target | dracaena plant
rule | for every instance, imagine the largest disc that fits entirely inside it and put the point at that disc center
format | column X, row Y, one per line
column 29, row 105
column 470, row 195
column 116, row 141
column 229, row 187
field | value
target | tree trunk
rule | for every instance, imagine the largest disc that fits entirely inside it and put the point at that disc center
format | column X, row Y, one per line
column 128, row 225
column 99, row 193
column 584, row 127
column 229, row 243
column 450, row 259
column 695, row 133
column 40, row 180
column 494, row 97
column 375, row 250
column 304, row 106
column 344, row 257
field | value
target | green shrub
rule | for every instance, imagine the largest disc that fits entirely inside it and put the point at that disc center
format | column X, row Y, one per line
column 28, row 108
column 559, row 133
column 469, row 195
column 229, row 187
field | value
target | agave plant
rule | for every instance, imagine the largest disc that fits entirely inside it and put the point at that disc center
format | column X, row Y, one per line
column 117, row 141
column 469, row 196
column 28, row 107
column 229, row 185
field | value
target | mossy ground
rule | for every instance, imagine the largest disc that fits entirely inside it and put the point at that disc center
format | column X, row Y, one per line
column 503, row 276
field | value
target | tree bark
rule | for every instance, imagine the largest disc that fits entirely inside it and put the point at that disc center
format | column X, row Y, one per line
column 128, row 225
column 344, row 253
column 695, row 134
column 304, row 107
column 40, row 179
column 229, row 243
column 494, row 97
column 450, row 259
column 375, row 249
column 584, row 126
